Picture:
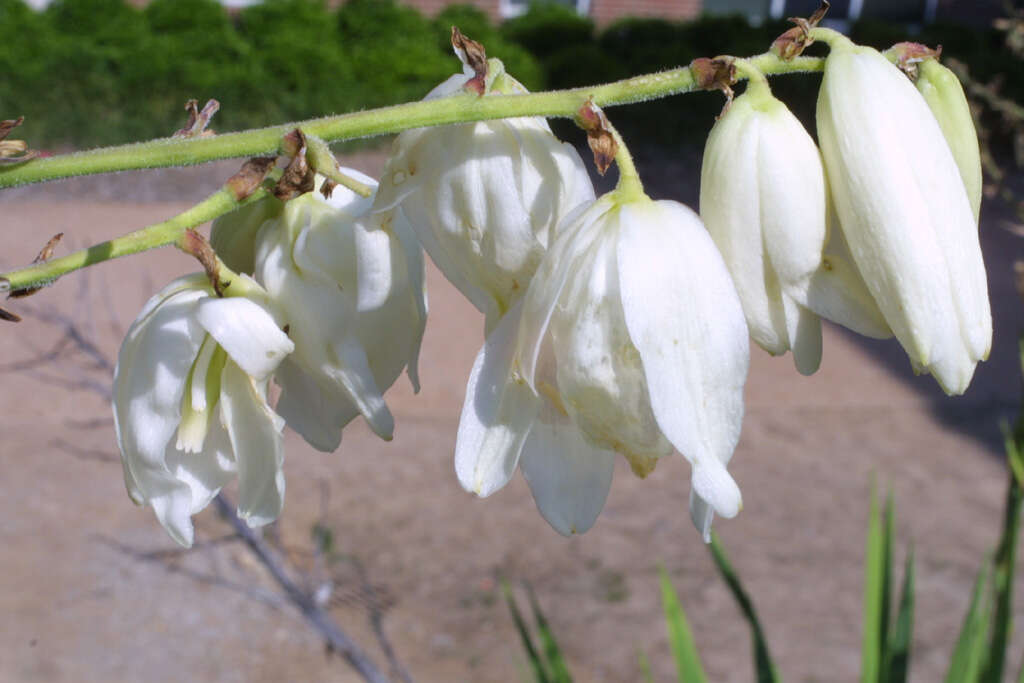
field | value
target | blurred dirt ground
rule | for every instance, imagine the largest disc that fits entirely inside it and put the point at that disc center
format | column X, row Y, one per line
column 91, row 589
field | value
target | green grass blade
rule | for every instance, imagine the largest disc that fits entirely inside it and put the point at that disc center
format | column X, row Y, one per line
column 766, row 672
column 897, row 664
column 552, row 653
column 972, row 644
column 645, row 667
column 540, row 673
column 888, row 533
column 680, row 638
column 875, row 588
column 1003, row 569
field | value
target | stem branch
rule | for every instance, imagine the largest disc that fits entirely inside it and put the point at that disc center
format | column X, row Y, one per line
column 458, row 109
column 157, row 235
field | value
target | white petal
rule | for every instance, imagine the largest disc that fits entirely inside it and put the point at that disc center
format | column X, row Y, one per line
column 416, row 268
column 731, row 161
column 247, row 332
column 568, row 477
column 837, row 292
column 149, row 384
column 804, row 329
column 316, row 415
column 575, row 237
column 255, row 433
column 203, row 473
column 497, row 414
column 685, row 319
column 702, row 515
column 352, row 372
column 905, row 213
column 320, row 310
column 392, row 316
column 375, row 269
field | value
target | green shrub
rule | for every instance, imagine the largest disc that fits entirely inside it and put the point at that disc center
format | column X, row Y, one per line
column 393, row 49
column 548, row 28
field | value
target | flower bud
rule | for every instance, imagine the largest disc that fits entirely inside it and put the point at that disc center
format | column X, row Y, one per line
column 762, row 198
column 350, row 284
column 905, row 213
column 945, row 97
column 485, row 198
column 190, row 404
column 764, row 201
column 630, row 340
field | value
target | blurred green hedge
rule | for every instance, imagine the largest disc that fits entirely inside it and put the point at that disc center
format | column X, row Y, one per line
column 96, row 72
column 93, row 72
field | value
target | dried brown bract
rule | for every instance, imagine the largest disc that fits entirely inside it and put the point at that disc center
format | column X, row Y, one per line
column 249, row 177
column 794, row 41
column 44, row 255
column 198, row 120
column 473, row 54
column 602, row 141
column 718, row 73
column 298, row 177
column 198, row 246
column 13, row 151
column 909, row 55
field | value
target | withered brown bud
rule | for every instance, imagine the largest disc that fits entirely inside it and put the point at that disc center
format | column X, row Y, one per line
column 602, row 141
column 249, row 177
column 327, row 188
column 298, row 177
column 198, row 120
column 13, row 151
column 794, row 41
column 909, row 55
column 473, row 54
column 718, row 73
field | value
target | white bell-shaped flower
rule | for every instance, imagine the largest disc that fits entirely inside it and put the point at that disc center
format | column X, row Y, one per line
column 485, row 198
column 190, row 404
column 945, row 97
column 350, row 284
column 631, row 339
column 905, row 213
column 763, row 199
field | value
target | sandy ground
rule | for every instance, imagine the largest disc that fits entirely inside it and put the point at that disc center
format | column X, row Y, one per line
column 91, row 589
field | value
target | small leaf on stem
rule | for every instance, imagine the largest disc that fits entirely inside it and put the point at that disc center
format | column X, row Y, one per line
column 44, row 255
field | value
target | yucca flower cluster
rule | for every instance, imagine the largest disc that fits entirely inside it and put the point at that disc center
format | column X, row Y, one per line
column 615, row 325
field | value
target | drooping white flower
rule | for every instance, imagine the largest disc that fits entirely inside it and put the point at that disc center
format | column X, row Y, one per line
column 630, row 340
column 905, row 213
column 485, row 198
column 763, row 198
column 945, row 97
column 350, row 287
column 190, row 404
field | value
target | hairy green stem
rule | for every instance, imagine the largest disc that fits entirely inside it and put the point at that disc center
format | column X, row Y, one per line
column 462, row 108
column 161, row 234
